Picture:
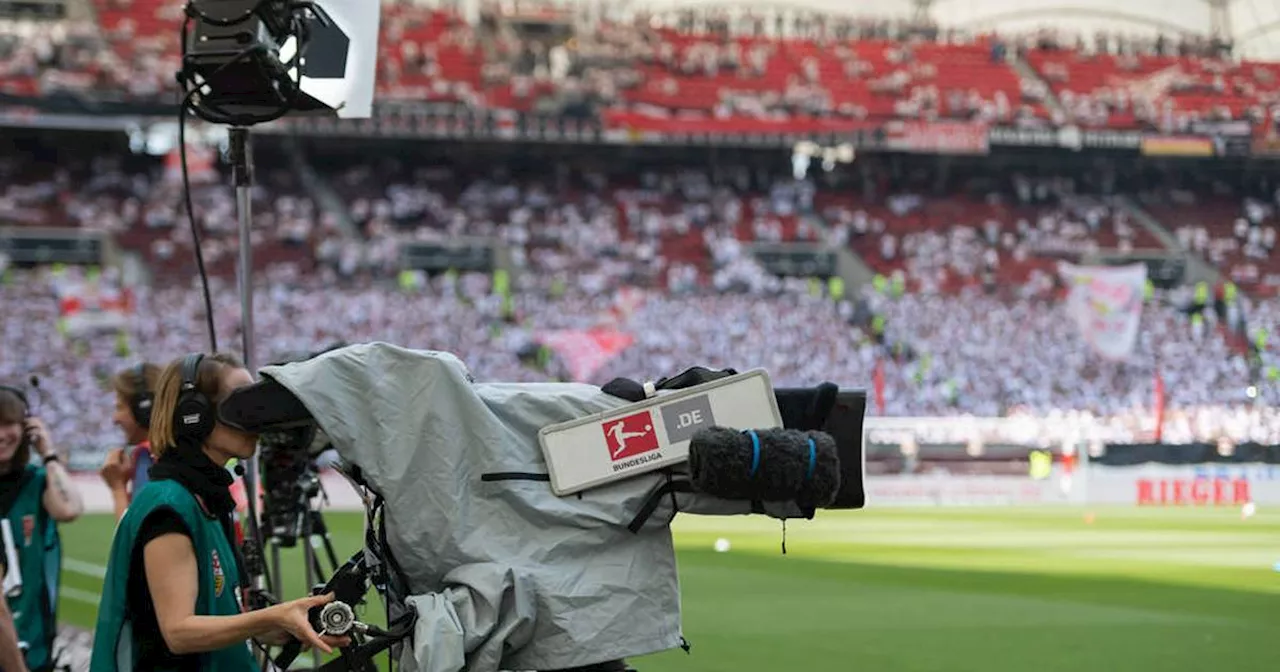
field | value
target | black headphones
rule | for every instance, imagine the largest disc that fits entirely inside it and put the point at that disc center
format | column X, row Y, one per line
column 193, row 415
column 140, row 403
column 26, row 413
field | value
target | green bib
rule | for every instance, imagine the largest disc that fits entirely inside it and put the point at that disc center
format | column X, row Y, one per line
column 35, row 536
column 114, row 649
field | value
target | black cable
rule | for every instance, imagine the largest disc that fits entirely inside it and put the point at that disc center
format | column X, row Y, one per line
column 186, row 179
column 191, row 213
column 261, row 649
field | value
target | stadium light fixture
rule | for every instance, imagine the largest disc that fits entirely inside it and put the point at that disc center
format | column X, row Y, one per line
column 802, row 154
column 247, row 62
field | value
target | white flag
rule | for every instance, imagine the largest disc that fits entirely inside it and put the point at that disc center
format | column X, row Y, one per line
column 1106, row 304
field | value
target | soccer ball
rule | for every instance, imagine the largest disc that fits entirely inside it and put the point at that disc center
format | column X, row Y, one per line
column 1248, row 510
column 722, row 545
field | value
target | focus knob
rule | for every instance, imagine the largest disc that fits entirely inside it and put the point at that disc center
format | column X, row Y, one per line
column 337, row 619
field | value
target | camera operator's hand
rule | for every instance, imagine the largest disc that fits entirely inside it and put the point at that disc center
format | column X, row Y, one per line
column 116, row 469
column 39, row 434
column 292, row 618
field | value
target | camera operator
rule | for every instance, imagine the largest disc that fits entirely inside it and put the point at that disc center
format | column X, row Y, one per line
column 170, row 598
column 125, row 470
column 33, row 499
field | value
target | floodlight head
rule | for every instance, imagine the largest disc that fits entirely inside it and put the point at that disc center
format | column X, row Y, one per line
column 807, row 148
column 251, row 61
column 845, row 153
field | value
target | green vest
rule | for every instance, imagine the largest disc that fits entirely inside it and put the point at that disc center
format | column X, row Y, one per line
column 35, row 536
column 113, row 647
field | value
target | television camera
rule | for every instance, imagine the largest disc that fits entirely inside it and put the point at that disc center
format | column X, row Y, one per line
column 576, row 581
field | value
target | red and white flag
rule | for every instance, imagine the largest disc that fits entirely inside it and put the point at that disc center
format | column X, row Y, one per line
column 90, row 303
column 585, row 351
column 1105, row 302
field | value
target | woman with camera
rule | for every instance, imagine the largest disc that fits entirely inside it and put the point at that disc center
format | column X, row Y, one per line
column 33, row 499
column 125, row 470
column 171, row 595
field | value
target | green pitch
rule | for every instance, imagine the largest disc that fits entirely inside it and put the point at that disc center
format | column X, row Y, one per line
column 987, row 590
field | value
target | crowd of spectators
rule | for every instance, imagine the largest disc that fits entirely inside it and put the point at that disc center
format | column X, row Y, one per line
column 576, row 235
column 939, row 356
column 46, row 58
column 1011, row 232
column 755, row 67
column 672, row 229
column 1229, row 223
column 751, row 65
column 139, row 201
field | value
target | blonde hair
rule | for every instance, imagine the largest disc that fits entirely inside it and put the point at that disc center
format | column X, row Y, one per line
column 208, row 383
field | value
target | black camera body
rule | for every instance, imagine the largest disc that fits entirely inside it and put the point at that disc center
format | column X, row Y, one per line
column 290, row 480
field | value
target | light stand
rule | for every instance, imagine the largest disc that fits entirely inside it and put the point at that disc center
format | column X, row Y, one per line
column 242, row 172
column 242, row 167
column 249, row 62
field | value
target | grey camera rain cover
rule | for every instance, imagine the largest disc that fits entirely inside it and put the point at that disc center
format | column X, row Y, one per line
column 504, row 574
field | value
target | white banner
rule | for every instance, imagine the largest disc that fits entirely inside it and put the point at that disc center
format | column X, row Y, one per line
column 1149, row 485
column 1105, row 302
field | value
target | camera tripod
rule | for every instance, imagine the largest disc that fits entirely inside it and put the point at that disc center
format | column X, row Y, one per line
column 313, row 536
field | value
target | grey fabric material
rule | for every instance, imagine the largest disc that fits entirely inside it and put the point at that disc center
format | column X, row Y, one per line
column 536, row 581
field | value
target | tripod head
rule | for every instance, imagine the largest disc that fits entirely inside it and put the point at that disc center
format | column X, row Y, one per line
column 349, row 586
column 290, row 481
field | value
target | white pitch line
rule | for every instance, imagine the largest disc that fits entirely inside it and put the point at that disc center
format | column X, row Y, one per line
column 84, row 568
column 88, row 597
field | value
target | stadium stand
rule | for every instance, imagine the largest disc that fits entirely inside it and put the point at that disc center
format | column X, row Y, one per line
column 583, row 226
column 562, row 190
column 733, row 74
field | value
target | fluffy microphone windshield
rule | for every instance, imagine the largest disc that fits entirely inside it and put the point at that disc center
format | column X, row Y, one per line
column 768, row 465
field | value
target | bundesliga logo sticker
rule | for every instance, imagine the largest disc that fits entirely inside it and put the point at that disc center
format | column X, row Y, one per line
column 219, row 579
column 28, row 529
column 630, row 436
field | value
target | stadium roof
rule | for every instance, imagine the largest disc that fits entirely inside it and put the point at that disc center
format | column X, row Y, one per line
column 1255, row 24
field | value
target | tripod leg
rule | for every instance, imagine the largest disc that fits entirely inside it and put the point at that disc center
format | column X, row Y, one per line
column 275, row 566
column 315, row 558
column 309, row 559
column 328, row 542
